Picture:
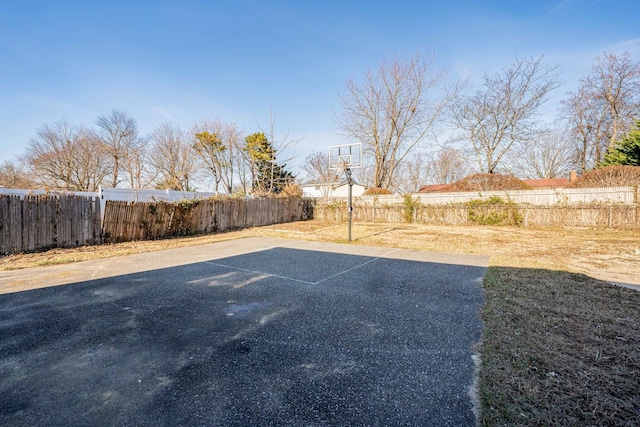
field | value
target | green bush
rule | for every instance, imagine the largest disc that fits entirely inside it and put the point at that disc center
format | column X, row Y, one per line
column 494, row 211
column 188, row 204
column 409, row 205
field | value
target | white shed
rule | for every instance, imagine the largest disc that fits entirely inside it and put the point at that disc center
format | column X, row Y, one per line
column 337, row 189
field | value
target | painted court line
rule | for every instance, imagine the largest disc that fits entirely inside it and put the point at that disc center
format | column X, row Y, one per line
column 258, row 272
column 357, row 266
column 217, row 264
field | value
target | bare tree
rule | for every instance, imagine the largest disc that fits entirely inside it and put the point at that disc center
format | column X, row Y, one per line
column 411, row 174
column 443, row 166
column 446, row 166
column 219, row 146
column 173, row 159
column 503, row 113
column 232, row 135
column 549, row 156
column 363, row 175
column 316, row 167
column 136, row 166
column 244, row 172
column 616, row 81
column 393, row 110
column 13, row 174
column 118, row 132
column 604, row 106
column 588, row 126
column 67, row 157
column 317, row 170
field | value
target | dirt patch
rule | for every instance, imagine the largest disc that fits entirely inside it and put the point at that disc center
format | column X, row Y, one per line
column 619, row 268
column 85, row 253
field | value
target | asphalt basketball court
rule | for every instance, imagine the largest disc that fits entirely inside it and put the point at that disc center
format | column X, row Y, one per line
column 255, row 331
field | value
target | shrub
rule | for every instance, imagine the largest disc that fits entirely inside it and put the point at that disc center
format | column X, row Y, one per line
column 494, row 211
column 409, row 205
column 291, row 190
column 376, row 191
column 489, row 181
column 188, row 204
column 610, row 176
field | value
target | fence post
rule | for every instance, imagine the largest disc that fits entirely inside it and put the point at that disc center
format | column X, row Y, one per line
column 610, row 215
column 375, row 198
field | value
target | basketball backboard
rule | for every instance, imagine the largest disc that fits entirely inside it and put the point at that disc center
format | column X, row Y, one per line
column 345, row 156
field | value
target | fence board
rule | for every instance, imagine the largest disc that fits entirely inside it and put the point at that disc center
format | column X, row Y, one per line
column 33, row 222
column 4, row 225
column 125, row 221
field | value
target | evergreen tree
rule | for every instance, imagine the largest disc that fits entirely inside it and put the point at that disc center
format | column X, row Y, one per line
column 267, row 175
column 626, row 151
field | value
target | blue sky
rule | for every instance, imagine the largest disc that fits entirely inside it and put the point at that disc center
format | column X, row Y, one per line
column 181, row 61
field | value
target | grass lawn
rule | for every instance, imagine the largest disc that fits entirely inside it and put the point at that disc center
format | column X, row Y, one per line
column 561, row 346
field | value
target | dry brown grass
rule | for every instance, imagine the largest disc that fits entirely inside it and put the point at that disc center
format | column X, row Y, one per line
column 600, row 253
column 85, row 253
column 560, row 347
column 579, row 250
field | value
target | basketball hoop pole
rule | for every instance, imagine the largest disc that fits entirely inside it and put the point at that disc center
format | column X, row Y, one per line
column 344, row 158
column 347, row 170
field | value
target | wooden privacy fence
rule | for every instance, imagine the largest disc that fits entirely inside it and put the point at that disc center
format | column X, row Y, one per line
column 592, row 215
column 34, row 222
column 124, row 221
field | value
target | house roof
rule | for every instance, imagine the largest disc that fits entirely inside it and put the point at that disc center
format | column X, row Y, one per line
column 320, row 184
column 436, row 188
column 547, row 182
column 343, row 183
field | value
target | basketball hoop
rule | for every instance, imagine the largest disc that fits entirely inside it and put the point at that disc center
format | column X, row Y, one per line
column 346, row 157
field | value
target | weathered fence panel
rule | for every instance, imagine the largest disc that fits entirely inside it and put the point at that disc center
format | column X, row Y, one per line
column 611, row 216
column 33, row 222
column 124, row 221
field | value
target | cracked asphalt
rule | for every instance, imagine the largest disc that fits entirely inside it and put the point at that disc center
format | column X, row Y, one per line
column 256, row 331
